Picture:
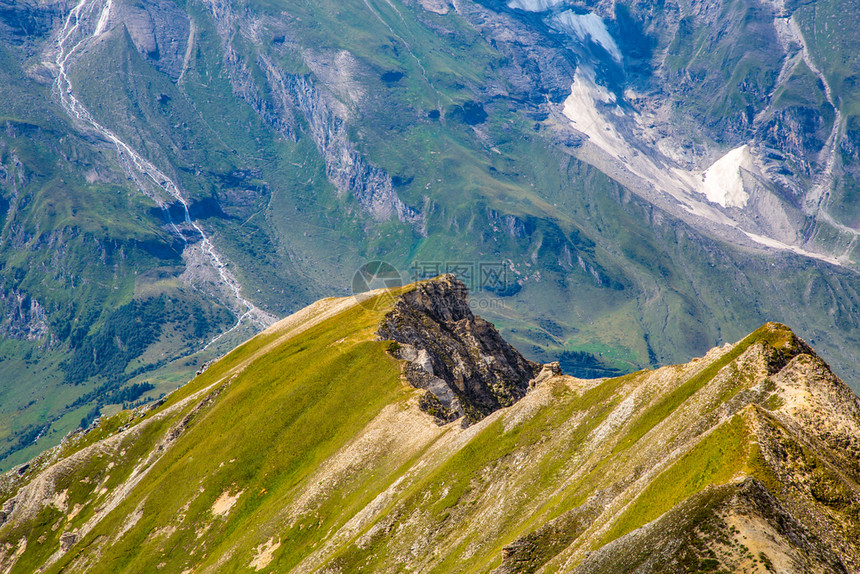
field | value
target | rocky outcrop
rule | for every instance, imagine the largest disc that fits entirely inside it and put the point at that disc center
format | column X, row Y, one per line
column 21, row 20
column 282, row 98
column 460, row 359
column 537, row 66
column 817, row 401
column 160, row 31
column 23, row 317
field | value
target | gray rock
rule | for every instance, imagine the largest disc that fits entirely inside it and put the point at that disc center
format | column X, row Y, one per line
column 459, row 358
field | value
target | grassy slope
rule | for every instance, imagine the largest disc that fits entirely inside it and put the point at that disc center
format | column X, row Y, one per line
column 281, row 416
column 75, row 240
column 833, row 44
column 307, row 430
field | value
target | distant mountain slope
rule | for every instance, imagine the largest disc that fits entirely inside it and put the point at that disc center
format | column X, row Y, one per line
column 305, row 450
column 649, row 181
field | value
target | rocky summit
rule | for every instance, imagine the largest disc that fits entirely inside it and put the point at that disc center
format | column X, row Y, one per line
column 462, row 361
column 397, row 432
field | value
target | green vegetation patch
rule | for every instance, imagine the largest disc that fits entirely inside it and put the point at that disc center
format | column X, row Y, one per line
column 454, row 492
column 263, row 434
column 777, row 336
column 715, row 460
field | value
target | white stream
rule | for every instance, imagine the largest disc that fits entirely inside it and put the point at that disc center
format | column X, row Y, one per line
column 149, row 180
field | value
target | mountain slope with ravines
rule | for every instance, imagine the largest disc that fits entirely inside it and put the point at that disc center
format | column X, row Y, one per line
column 652, row 180
column 318, row 446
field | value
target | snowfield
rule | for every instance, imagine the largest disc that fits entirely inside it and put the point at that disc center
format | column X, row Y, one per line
column 723, row 182
column 534, row 5
column 585, row 26
column 594, row 111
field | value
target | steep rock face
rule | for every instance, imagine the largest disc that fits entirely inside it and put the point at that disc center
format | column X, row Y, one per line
column 23, row 316
column 460, row 358
column 160, row 31
column 282, row 98
column 537, row 67
column 22, row 19
column 346, row 168
column 737, row 527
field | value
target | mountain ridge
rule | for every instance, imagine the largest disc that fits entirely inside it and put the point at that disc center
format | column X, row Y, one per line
column 306, row 450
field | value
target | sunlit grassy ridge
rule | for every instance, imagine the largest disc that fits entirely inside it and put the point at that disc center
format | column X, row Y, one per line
column 715, row 460
column 283, row 413
column 303, row 449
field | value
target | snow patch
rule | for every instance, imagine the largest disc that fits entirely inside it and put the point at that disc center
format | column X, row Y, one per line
column 590, row 108
column 723, row 182
column 580, row 107
column 437, row 6
column 594, row 111
column 585, row 26
column 534, row 5
column 104, row 18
